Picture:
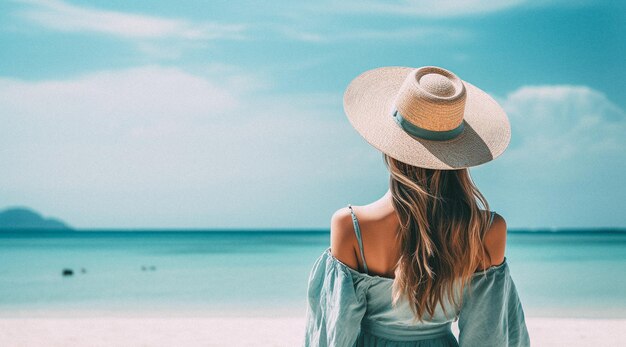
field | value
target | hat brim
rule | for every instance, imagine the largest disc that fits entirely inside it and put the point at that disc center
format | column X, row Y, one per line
column 369, row 102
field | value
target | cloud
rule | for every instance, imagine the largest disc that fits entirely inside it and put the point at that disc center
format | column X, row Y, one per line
column 565, row 161
column 62, row 16
column 439, row 8
column 161, row 147
column 156, row 146
column 103, row 100
column 564, row 122
column 168, row 38
column 414, row 33
column 432, row 8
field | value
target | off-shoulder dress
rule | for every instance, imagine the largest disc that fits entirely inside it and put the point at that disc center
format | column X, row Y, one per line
column 347, row 308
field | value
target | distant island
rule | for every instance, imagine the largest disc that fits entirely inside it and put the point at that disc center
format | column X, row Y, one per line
column 22, row 218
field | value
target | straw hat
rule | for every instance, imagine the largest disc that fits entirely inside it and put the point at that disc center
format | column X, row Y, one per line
column 427, row 117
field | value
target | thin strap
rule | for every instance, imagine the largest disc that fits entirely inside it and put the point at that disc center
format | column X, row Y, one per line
column 491, row 219
column 357, row 231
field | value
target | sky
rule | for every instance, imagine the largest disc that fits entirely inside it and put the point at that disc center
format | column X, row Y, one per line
column 228, row 114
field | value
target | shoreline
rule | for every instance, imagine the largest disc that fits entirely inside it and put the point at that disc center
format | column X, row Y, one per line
column 253, row 328
column 295, row 312
column 151, row 313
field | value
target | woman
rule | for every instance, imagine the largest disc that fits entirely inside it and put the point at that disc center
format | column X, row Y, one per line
column 399, row 271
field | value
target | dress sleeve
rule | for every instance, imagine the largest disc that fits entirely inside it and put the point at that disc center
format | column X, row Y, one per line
column 336, row 304
column 491, row 312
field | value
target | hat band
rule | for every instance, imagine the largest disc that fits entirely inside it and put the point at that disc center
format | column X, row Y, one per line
column 426, row 134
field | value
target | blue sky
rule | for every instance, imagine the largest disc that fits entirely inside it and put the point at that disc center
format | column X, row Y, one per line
column 195, row 114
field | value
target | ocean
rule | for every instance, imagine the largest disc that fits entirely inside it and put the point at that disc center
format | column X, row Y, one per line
column 557, row 274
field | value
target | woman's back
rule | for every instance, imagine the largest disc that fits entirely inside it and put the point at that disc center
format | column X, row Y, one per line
column 357, row 284
column 378, row 224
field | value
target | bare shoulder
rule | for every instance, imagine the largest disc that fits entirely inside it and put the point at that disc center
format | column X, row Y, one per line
column 342, row 237
column 495, row 239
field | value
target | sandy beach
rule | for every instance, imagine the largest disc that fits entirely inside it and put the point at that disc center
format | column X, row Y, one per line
column 249, row 331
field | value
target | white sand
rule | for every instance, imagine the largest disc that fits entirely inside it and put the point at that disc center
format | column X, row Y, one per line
column 250, row 331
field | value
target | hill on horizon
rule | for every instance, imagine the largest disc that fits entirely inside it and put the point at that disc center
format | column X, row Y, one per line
column 21, row 218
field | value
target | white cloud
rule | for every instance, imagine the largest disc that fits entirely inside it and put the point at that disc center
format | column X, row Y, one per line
column 439, row 8
column 62, row 16
column 115, row 98
column 160, row 147
column 433, row 8
column 414, row 33
column 566, row 120
column 566, row 160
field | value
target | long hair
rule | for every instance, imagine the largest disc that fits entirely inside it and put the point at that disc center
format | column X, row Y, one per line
column 441, row 234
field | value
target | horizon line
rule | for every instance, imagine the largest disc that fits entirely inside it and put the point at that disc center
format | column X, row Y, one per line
column 577, row 230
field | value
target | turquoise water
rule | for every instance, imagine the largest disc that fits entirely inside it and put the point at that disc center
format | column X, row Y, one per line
column 571, row 274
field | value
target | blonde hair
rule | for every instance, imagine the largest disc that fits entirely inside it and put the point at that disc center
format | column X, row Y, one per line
column 441, row 234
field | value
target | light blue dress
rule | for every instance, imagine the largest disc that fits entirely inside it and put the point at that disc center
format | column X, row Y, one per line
column 349, row 308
